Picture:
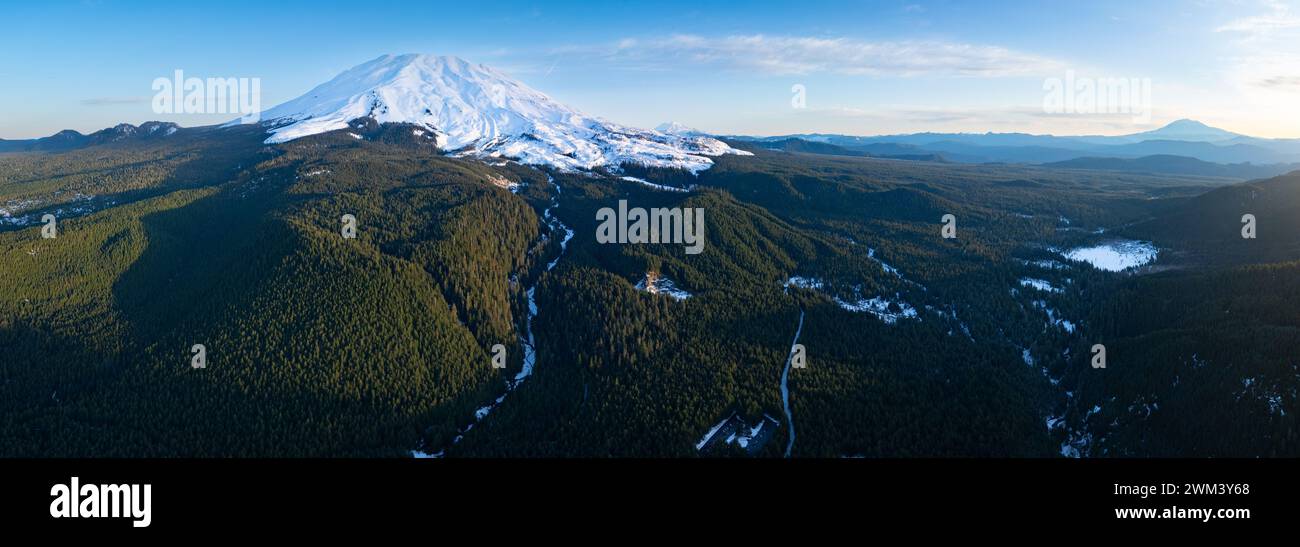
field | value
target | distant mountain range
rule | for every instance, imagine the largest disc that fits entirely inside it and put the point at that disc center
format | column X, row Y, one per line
column 1187, row 139
column 884, row 150
column 1179, row 165
column 70, row 140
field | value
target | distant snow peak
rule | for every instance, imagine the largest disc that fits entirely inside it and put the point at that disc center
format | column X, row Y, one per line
column 474, row 110
column 674, row 128
column 1188, row 130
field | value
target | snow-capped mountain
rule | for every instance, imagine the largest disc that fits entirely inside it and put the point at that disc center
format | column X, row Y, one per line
column 474, row 110
column 674, row 128
column 1185, row 130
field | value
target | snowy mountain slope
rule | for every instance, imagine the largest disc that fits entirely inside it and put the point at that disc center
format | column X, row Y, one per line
column 474, row 110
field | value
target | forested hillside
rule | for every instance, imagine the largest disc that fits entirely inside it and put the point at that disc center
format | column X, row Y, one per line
column 316, row 345
column 917, row 345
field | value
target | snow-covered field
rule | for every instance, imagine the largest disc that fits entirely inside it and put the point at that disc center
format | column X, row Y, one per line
column 738, row 432
column 1114, row 256
column 712, row 431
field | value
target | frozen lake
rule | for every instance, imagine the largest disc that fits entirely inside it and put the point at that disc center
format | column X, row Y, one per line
column 1114, row 256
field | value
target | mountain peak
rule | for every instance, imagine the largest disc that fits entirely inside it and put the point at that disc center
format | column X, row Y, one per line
column 1186, row 123
column 475, row 110
column 674, row 128
column 1187, row 130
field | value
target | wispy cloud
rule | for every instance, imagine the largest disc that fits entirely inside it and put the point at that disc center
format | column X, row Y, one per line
column 902, row 118
column 1292, row 82
column 114, row 101
column 1265, row 66
column 794, row 55
column 1267, row 72
column 1279, row 17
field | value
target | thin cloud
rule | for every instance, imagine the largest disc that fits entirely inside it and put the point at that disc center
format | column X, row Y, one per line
column 1281, row 82
column 114, row 101
column 900, row 119
column 1265, row 67
column 1279, row 18
column 792, row 55
column 1271, row 73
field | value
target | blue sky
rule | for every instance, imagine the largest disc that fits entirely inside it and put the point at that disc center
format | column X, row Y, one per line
column 726, row 67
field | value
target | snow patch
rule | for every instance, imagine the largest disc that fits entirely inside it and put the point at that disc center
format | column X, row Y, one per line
column 657, row 186
column 654, row 283
column 800, row 282
column 712, row 432
column 1115, row 256
column 1039, row 284
column 881, row 308
column 1052, row 319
